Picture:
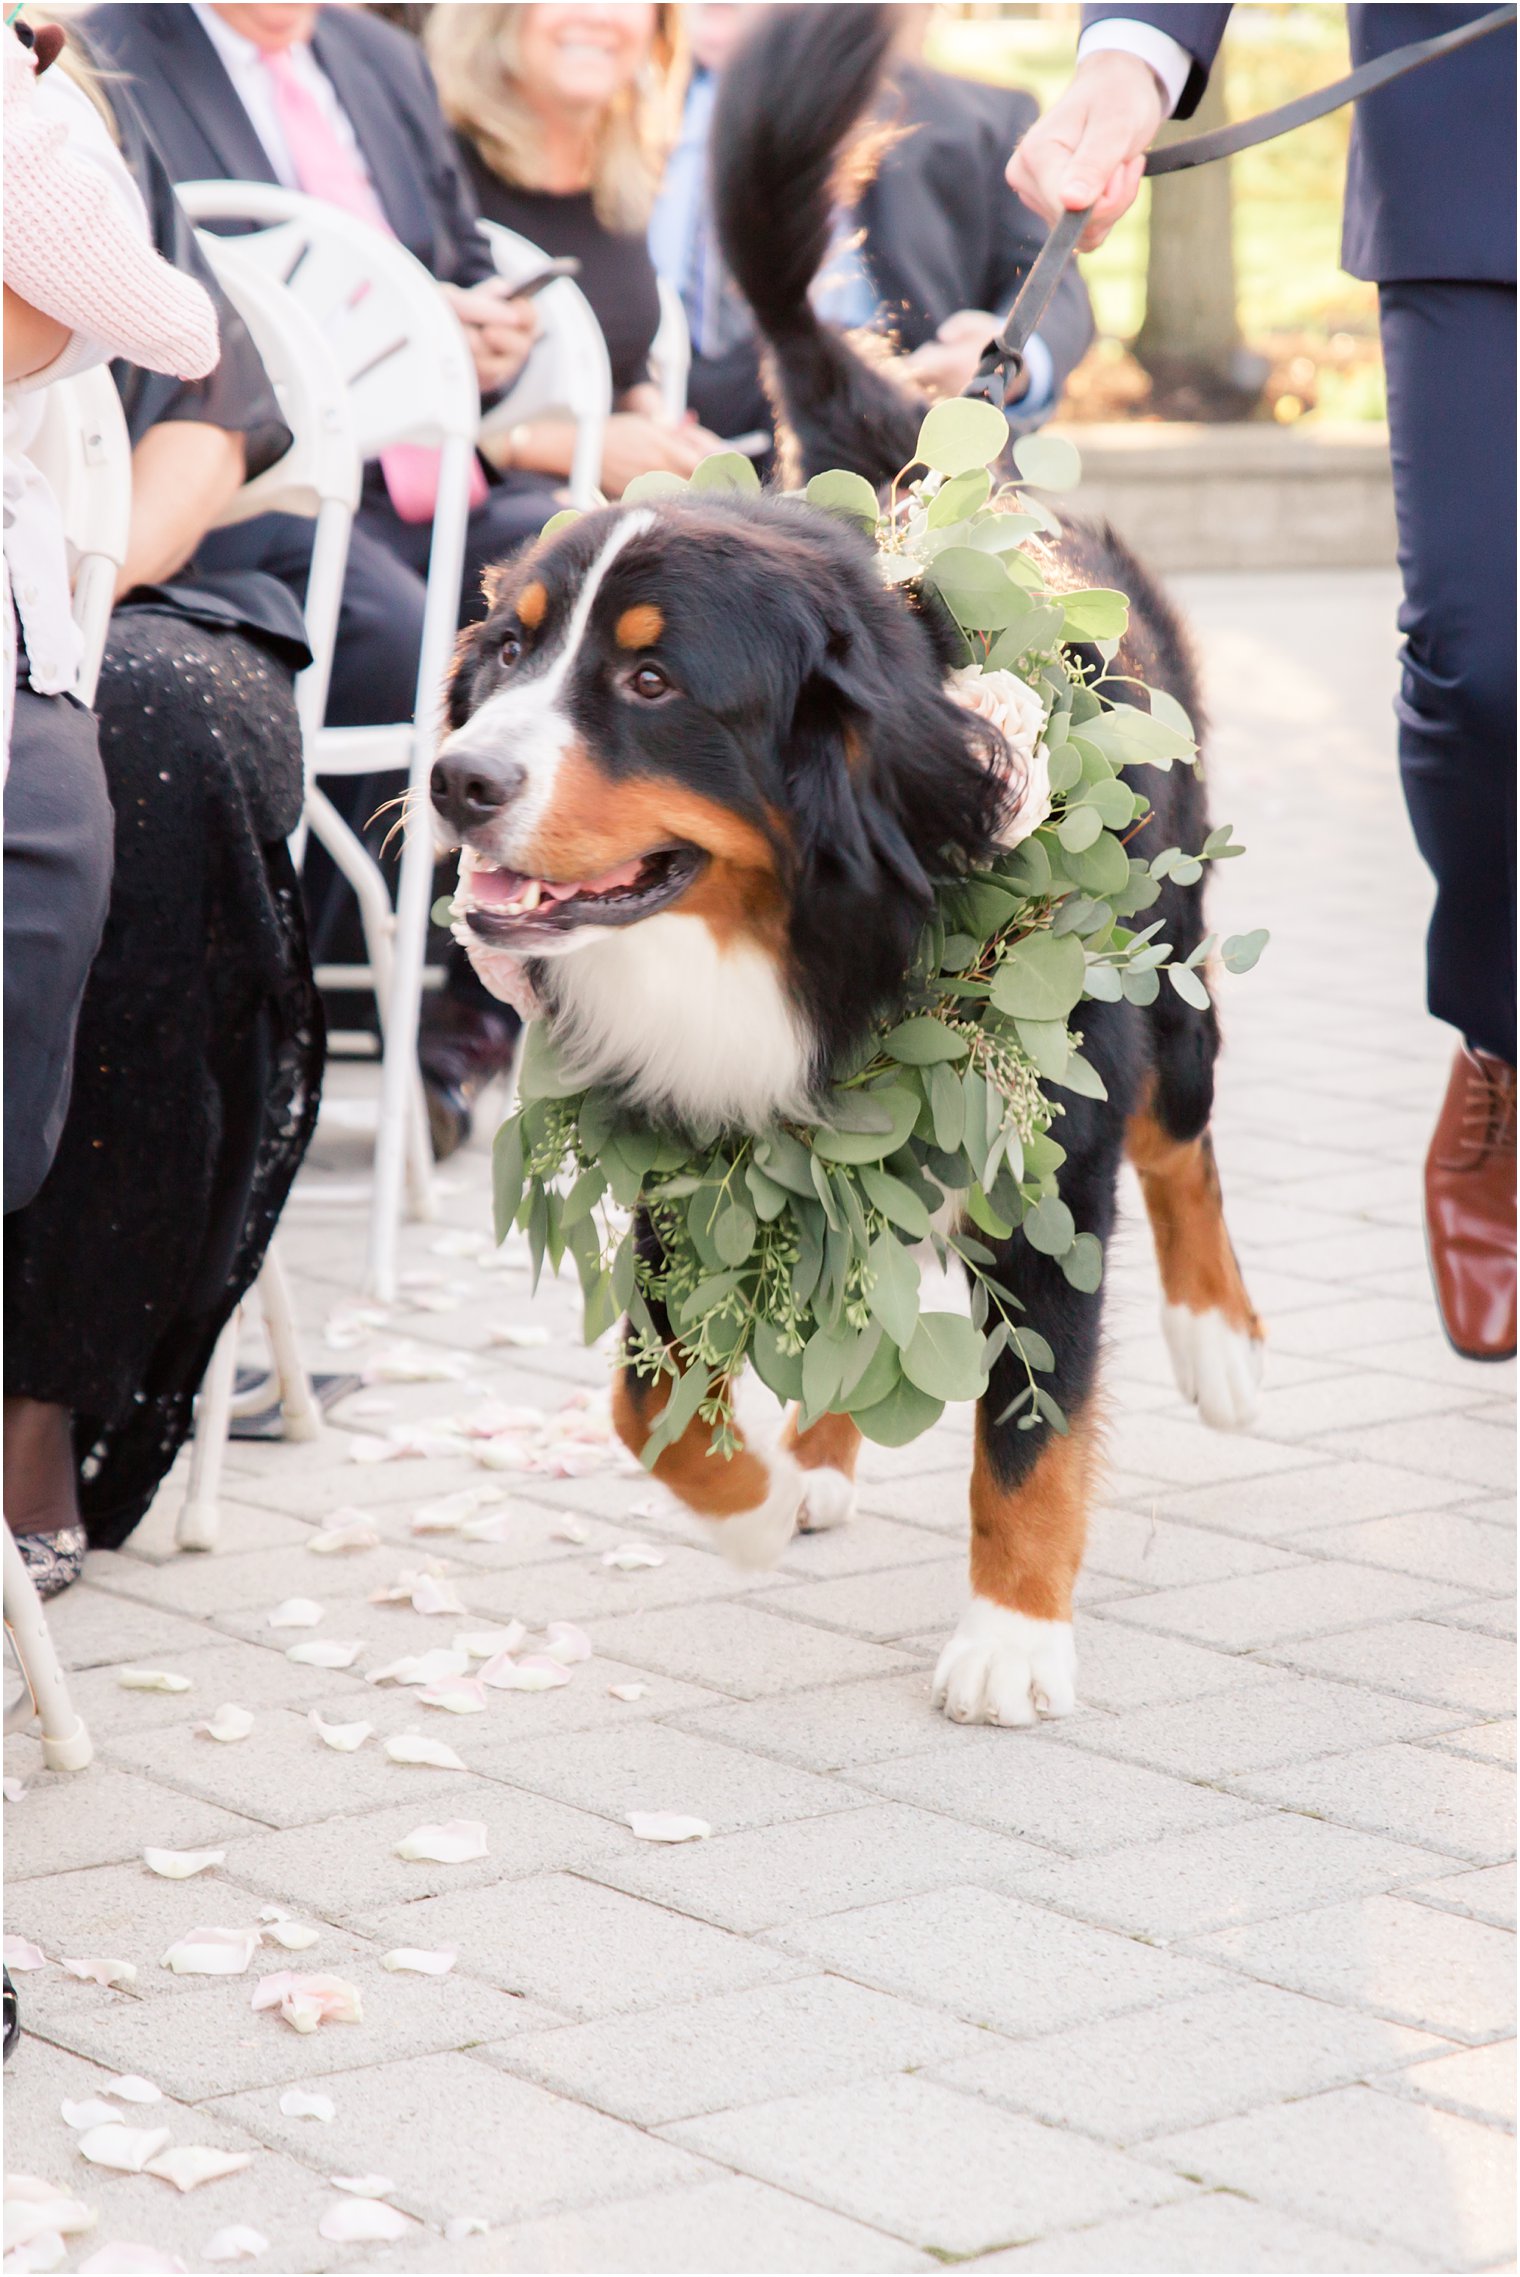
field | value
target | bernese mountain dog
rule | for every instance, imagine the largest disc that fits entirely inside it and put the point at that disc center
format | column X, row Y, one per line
column 703, row 771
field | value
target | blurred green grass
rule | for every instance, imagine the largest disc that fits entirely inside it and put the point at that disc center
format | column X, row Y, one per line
column 1287, row 194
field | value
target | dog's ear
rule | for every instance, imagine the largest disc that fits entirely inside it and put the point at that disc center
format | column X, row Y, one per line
column 467, row 654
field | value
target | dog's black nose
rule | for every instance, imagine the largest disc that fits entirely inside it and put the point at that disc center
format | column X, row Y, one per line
column 470, row 787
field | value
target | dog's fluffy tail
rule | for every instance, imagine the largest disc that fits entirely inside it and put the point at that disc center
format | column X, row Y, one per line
column 789, row 103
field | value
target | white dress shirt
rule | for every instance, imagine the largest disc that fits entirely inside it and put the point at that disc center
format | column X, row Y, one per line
column 243, row 63
column 1168, row 59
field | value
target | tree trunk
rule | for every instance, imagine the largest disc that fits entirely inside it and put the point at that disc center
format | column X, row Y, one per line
column 1190, row 341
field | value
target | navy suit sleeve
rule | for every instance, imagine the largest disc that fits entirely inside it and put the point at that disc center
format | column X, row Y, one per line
column 1199, row 30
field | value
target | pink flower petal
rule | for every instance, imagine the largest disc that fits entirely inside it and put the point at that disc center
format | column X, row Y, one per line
column 422, row 1667
column 306, row 2002
column 190, row 2164
column 229, row 1723
column 343, row 1532
column 302, row 2103
column 567, row 1643
column 667, row 1826
column 324, row 1652
column 461, row 1695
column 363, row 2221
column 570, row 1530
column 345, row 1737
column 21, row 1954
column 419, row 1963
column 132, row 2261
column 151, row 1680
column 484, row 1644
column 415, row 1747
column 627, row 1691
column 537, row 1673
column 131, row 2087
column 92, row 2112
column 128, row 2149
column 179, row 1865
column 235, row 2243
column 212, row 1953
column 454, row 1843
column 14, row 1789
column 40, row 2249
column 294, row 1936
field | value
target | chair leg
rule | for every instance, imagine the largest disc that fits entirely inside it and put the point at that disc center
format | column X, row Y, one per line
column 66, row 1744
column 200, row 1520
column 298, row 1407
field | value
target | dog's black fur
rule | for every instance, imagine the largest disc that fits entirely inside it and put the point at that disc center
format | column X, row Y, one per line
column 791, row 99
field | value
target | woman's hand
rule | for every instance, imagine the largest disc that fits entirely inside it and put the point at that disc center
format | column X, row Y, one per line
column 499, row 330
column 634, row 445
column 1089, row 148
column 944, row 365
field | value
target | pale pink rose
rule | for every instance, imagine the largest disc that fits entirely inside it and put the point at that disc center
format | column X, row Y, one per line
column 1013, row 707
column 307, row 2002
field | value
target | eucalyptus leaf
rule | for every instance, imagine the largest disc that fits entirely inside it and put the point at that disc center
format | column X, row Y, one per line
column 1241, row 950
column 1188, row 986
column 944, row 1357
column 507, row 1174
column 734, row 1233
column 725, row 470
column 959, row 498
column 895, row 1200
column 1047, row 462
column 1041, row 977
column 893, row 1294
column 960, row 434
column 1097, row 614
column 920, row 1042
column 905, row 1414
column 1049, row 1227
column 659, row 482
column 839, row 492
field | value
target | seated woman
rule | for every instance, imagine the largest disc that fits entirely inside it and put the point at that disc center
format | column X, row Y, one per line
column 557, row 112
column 199, row 1051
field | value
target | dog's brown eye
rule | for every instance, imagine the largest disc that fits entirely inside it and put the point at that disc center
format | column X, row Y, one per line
column 511, row 648
column 649, row 681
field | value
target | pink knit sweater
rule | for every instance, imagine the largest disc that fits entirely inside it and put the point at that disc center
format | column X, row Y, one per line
column 71, row 252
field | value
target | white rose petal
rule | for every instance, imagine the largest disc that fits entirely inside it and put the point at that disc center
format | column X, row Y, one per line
column 345, row 1737
column 627, row 1691
column 460, row 2226
column 212, row 1953
column 521, row 1338
column 495, row 1526
column 306, row 2002
column 416, row 1747
column 420, row 1963
column 128, row 2149
column 35, row 2209
column 363, row 2185
column 454, row 1843
column 460, row 1695
column 295, row 1936
column 21, row 1954
column 229, row 1723
column 363, row 2221
column 422, row 1667
column 343, row 1532
column 191, row 2164
column 567, row 1643
column 92, row 2112
column 303, row 2103
column 324, row 1652
column 14, row 1789
column 569, row 1530
column 132, row 2261
column 485, row 1644
column 630, row 1557
column 106, row 1972
column 179, row 1865
column 235, row 2243
column 667, row 1826
column 296, row 1613
column 131, row 2087
column 431, row 1595
column 41, row 2249
column 151, row 1680
column 537, row 1673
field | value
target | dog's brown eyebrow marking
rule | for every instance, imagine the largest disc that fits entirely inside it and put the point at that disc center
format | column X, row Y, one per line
column 639, row 627
column 531, row 604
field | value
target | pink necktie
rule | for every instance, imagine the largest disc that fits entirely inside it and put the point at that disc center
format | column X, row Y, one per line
column 327, row 169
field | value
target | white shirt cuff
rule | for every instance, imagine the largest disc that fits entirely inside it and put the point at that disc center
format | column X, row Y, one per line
column 1039, row 398
column 1167, row 57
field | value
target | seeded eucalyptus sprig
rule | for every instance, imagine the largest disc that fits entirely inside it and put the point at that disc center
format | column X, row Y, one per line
column 794, row 1251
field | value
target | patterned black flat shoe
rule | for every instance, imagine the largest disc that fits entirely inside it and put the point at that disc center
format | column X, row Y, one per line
column 12, row 2017
column 54, row 1561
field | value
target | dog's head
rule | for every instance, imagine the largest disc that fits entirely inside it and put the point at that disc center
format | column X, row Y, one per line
column 711, row 710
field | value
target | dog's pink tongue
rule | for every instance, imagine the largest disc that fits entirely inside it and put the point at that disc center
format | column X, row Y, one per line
column 495, row 888
column 609, row 881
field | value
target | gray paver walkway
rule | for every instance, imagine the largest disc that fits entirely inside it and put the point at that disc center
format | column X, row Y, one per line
column 1214, row 1976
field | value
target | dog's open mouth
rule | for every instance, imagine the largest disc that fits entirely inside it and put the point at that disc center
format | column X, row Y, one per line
column 505, row 905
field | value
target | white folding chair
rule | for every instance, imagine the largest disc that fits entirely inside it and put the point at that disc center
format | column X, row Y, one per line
column 320, row 477
column 81, row 446
column 83, row 449
column 409, row 379
column 670, row 353
column 567, row 374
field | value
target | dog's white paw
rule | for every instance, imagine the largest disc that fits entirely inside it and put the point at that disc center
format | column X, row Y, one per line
column 1002, row 1667
column 828, row 1499
column 757, row 1538
column 1217, row 1367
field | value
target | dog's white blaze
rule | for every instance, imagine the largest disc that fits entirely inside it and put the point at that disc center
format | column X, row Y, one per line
column 678, row 1020
column 1005, row 1667
column 527, row 724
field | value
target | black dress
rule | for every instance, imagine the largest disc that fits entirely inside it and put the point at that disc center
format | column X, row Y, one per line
column 198, row 1064
column 616, row 274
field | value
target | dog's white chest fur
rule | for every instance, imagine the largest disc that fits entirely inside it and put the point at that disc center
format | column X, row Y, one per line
column 681, row 1022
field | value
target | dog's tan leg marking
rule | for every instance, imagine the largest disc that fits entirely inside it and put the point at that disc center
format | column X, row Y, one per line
column 1212, row 1332
column 752, row 1502
column 827, row 1452
column 1012, row 1658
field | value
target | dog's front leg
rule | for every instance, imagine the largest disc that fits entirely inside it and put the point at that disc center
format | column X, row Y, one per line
column 750, row 1499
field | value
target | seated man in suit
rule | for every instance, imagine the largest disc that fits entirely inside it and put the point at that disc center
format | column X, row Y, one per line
column 337, row 103
column 932, row 253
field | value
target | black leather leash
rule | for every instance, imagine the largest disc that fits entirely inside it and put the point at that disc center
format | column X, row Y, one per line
column 1003, row 359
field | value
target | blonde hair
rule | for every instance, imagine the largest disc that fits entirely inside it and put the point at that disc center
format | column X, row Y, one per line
column 474, row 49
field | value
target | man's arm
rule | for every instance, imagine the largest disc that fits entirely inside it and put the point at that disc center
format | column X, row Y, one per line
column 1135, row 66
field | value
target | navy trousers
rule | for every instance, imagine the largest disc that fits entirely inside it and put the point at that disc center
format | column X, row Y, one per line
column 1449, row 349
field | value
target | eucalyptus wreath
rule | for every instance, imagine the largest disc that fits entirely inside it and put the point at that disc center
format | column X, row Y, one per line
column 794, row 1249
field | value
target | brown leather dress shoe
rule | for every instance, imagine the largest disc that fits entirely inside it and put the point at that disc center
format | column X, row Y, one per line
column 462, row 1048
column 1470, row 1207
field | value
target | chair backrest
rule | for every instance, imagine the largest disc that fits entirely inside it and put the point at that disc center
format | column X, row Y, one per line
column 670, row 353
column 82, row 448
column 400, row 353
column 323, row 461
column 567, row 374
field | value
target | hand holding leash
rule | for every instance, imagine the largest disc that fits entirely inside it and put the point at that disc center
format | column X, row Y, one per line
column 1088, row 150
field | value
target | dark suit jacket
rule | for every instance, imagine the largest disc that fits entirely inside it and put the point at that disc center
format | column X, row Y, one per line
column 943, row 229
column 1430, row 186
column 380, row 78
